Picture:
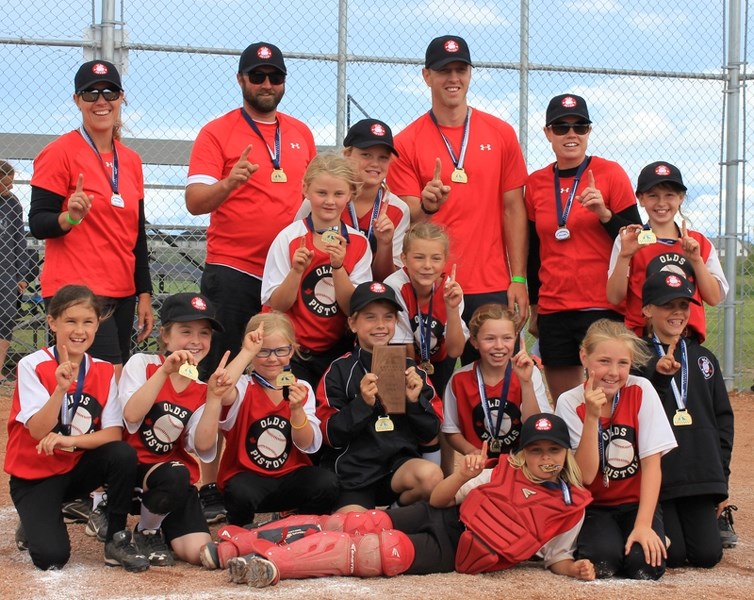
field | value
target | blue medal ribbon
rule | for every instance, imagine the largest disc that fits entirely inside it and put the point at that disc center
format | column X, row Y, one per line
column 275, row 155
column 67, row 414
column 494, row 429
column 263, row 382
column 341, row 229
column 114, row 179
column 458, row 162
column 425, row 335
column 603, row 457
column 564, row 212
column 375, row 212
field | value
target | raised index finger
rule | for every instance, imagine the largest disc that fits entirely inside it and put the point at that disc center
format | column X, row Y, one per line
column 590, row 382
column 63, row 353
column 245, row 153
column 671, row 348
column 591, row 179
column 452, row 273
column 684, row 231
column 438, row 168
column 80, row 183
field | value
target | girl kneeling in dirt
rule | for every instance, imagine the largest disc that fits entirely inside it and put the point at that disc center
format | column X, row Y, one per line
column 477, row 520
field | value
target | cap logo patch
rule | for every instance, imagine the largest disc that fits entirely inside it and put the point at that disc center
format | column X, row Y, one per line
column 377, row 288
column 673, row 281
column 264, row 53
column 569, row 102
column 378, row 129
column 198, row 303
column 543, row 425
column 99, row 69
column 662, row 170
column 451, row 46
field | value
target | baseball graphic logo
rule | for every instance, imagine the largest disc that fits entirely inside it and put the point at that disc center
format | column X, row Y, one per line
column 621, row 459
column 318, row 292
column 662, row 170
column 706, row 367
column 81, row 422
column 569, row 102
column 272, row 443
column 324, row 291
column 88, row 414
column 99, row 69
column 198, row 303
column 671, row 262
column 267, row 442
column 378, row 129
column 510, row 424
column 168, row 429
column 452, row 46
column 264, row 53
column 620, row 453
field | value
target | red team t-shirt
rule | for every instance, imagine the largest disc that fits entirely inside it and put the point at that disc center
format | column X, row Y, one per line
column 99, row 253
column 258, row 434
column 242, row 228
column 667, row 255
column 473, row 213
column 637, row 429
column 573, row 272
column 98, row 409
column 319, row 321
column 166, row 433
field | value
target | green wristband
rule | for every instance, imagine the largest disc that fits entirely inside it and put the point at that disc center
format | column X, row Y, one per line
column 518, row 279
column 71, row 221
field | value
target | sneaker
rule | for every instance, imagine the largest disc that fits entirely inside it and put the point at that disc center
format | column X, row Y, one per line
column 253, row 570
column 120, row 552
column 21, row 542
column 212, row 503
column 150, row 543
column 209, row 557
column 76, row 511
column 96, row 524
column 725, row 524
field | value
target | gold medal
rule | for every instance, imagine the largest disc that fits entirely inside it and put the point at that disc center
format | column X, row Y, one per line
column 681, row 418
column 646, row 237
column 459, row 176
column 278, row 176
column 495, row 445
column 285, row 378
column 562, row 233
column 188, row 370
column 428, row 367
column 384, row 424
column 330, row 237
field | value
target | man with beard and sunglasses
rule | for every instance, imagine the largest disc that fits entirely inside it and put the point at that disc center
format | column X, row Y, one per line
column 245, row 171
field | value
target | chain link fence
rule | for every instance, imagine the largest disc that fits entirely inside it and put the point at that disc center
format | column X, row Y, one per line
column 653, row 73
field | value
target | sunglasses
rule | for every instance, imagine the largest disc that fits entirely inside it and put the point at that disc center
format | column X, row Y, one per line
column 258, row 77
column 563, row 128
column 93, row 95
column 280, row 352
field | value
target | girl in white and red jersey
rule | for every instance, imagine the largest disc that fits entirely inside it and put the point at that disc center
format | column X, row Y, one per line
column 315, row 263
column 379, row 214
column 271, row 429
column 477, row 520
column 168, row 414
column 488, row 400
column 661, row 245
column 619, row 433
column 64, row 437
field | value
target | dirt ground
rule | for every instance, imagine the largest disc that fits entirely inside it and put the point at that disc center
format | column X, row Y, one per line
column 86, row 576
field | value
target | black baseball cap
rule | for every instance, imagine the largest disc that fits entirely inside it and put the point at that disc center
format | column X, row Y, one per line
column 657, row 173
column 445, row 50
column 372, row 291
column 96, row 71
column 369, row 132
column 545, row 426
column 188, row 306
column 567, row 105
column 259, row 55
column 663, row 287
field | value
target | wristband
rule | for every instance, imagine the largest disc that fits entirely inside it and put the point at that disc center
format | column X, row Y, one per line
column 304, row 424
column 518, row 279
column 336, row 268
column 71, row 221
column 428, row 212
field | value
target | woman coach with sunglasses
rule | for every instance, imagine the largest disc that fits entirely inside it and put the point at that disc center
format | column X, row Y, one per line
column 576, row 206
column 87, row 202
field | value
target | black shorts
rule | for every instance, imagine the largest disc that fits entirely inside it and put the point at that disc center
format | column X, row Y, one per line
column 561, row 334
column 379, row 493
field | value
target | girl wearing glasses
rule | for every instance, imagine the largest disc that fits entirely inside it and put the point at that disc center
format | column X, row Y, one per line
column 576, row 206
column 87, row 202
column 169, row 416
column 271, row 429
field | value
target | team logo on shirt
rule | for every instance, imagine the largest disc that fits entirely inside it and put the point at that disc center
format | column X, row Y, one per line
column 620, row 452
column 267, row 442
column 671, row 262
column 88, row 415
column 318, row 292
column 706, row 367
column 163, row 426
column 436, row 333
column 510, row 428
